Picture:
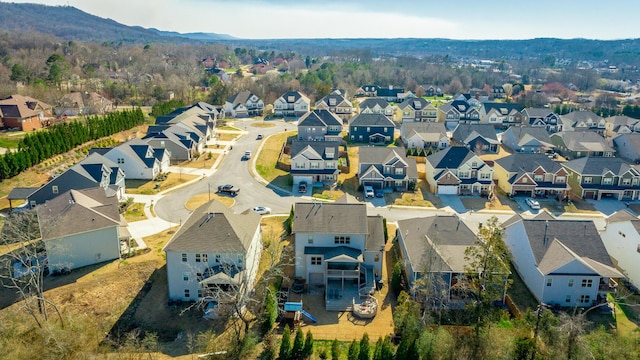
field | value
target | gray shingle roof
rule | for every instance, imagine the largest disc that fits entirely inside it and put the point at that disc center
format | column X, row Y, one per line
column 598, row 165
column 450, row 158
column 321, row 147
column 372, row 102
column 319, row 118
column 527, row 163
column 583, row 141
column 371, row 120
column 467, row 132
column 214, row 227
column 330, row 218
column 427, row 131
column 375, row 235
column 523, row 134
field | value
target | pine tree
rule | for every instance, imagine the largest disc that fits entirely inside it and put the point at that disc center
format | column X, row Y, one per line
column 365, row 351
column 298, row 346
column 308, row 346
column 353, row 351
column 335, row 350
column 285, row 344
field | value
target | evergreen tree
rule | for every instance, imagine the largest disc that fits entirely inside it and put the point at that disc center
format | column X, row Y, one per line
column 365, row 351
column 285, row 344
column 386, row 351
column 377, row 350
column 353, row 351
column 308, row 346
column 298, row 346
column 335, row 350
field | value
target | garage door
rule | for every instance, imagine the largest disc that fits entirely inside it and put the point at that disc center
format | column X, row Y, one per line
column 447, row 190
column 316, row 278
column 589, row 194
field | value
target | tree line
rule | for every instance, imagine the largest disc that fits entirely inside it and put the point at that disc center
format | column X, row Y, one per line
column 60, row 138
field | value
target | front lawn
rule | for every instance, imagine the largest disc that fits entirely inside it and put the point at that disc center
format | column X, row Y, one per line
column 135, row 212
column 204, row 161
column 268, row 157
column 150, row 187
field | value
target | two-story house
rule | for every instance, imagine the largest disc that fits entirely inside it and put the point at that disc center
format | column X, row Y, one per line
column 377, row 106
column 244, row 104
column 93, row 171
column 585, row 120
column 562, row 262
column 529, row 174
column 621, row 124
column 137, row 159
column 337, row 104
column 386, row 168
column 431, row 90
column 527, row 139
column 597, row 177
column 338, row 248
column 291, row 104
column 480, row 138
column 314, row 162
column 24, row 113
column 542, row 117
column 389, row 93
column 214, row 256
column 417, row 109
column 576, row 144
column 501, row 114
column 621, row 237
column 424, row 135
column 459, row 171
column 375, row 129
column 320, row 125
column 627, row 146
column 457, row 112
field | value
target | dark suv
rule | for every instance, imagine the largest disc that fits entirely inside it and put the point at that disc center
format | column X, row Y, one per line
column 302, row 187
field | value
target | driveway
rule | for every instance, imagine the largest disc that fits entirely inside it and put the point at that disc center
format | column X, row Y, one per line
column 609, row 206
column 454, row 202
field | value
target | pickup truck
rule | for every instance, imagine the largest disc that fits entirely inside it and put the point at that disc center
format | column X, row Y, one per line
column 229, row 189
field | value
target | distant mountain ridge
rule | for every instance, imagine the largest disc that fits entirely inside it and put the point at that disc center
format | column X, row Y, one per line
column 70, row 23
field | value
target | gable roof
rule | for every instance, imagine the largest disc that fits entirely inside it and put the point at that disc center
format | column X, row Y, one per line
column 214, row 227
column 428, row 131
column 450, row 158
column 19, row 106
column 537, row 112
column 502, row 108
column 584, row 141
column 527, row 163
column 372, row 102
column 621, row 120
column 292, row 96
column 525, row 134
column 325, row 150
column 464, row 133
column 240, row 97
column 582, row 116
column 441, row 239
column 415, row 103
column 330, row 218
column 598, row 165
column 77, row 211
column 336, row 96
column 319, row 118
column 378, row 120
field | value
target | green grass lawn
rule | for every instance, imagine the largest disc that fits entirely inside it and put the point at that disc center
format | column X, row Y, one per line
column 268, row 157
column 135, row 212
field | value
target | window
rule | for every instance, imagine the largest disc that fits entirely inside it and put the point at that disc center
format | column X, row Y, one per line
column 185, row 276
column 205, row 258
column 120, row 161
column 538, row 177
column 368, row 129
column 376, row 257
column 385, row 129
column 54, row 188
column 485, row 176
column 186, row 293
column 560, row 180
column 184, row 257
column 217, row 258
column 198, row 258
column 474, row 164
column 355, row 128
column 399, row 183
column 300, row 165
column 316, row 260
column 567, row 299
column 525, row 180
column 570, row 283
column 310, row 239
column 315, row 165
column 607, row 181
column 342, row 239
column 549, row 282
column 587, row 282
column 626, row 181
column 199, row 293
column 399, row 171
column 587, row 180
column 585, row 298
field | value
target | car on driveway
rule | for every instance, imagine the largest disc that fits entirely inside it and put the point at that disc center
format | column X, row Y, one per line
column 533, row 204
column 302, row 187
column 262, row 210
column 368, row 192
column 379, row 193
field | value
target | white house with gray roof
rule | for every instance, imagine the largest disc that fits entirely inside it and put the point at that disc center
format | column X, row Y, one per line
column 291, row 104
column 527, row 139
column 244, row 104
column 621, row 237
column 314, row 162
column 337, row 104
column 215, row 251
column 424, row 135
column 137, row 159
column 386, row 168
column 562, row 262
column 338, row 248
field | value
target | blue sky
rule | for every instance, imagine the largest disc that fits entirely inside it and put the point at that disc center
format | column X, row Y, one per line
column 462, row 19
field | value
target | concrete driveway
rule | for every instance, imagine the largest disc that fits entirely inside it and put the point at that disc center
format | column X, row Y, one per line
column 609, row 206
column 454, row 202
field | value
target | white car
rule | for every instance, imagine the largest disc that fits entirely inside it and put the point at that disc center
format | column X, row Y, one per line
column 368, row 192
column 533, row 204
column 262, row 210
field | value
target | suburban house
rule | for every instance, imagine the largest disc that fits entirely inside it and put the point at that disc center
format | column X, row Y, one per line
column 198, row 119
column 24, row 113
column 621, row 124
column 431, row 90
column 180, row 143
column 527, row 139
column 627, row 146
column 337, row 104
column 80, row 228
column 291, row 104
column 576, row 144
column 320, row 125
column 542, row 117
column 93, row 171
column 408, row 95
column 375, row 129
column 386, row 168
column 584, row 120
column 137, row 159
column 338, row 248
column 457, row 112
column 376, row 106
column 367, row 91
column 598, row 177
column 562, row 262
column 501, row 114
column 459, row 171
column 480, row 138
column 214, row 255
column 389, row 93
column 433, row 255
column 497, row 92
column 79, row 103
column 621, row 237
column 424, row 135
column 244, row 104
column 533, row 175
column 417, row 109
column 315, row 162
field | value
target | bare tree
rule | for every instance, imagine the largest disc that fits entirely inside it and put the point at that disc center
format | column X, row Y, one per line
column 24, row 268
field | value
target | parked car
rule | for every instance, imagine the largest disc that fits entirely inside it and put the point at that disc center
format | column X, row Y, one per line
column 302, row 187
column 534, row 204
column 379, row 193
column 262, row 210
column 368, row 192
column 247, row 155
column 259, row 137
column 228, row 189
